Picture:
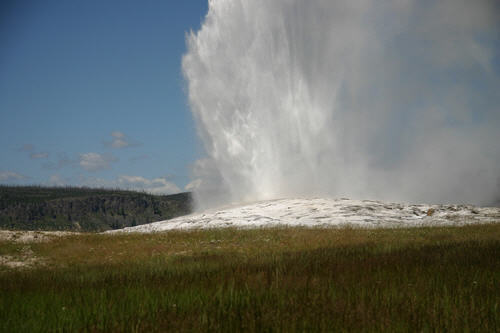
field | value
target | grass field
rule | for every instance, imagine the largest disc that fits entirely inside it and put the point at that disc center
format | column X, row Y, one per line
column 266, row 280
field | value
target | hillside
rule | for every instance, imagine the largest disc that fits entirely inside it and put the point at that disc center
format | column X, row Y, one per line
column 84, row 209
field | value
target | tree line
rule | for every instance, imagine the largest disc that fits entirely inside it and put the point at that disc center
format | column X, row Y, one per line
column 85, row 209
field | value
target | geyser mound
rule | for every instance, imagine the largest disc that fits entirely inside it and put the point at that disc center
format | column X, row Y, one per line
column 324, row 212
column 390, row 100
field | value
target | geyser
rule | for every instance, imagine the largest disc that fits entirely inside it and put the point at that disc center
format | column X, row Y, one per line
column 392, row 100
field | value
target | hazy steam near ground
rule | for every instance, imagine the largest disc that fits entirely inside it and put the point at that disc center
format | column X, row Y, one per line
column 391, row 100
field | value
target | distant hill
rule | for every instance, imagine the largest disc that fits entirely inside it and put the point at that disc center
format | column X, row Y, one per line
column 85, row 209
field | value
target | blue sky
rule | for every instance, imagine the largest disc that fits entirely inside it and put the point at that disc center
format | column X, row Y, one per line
column 92, row 93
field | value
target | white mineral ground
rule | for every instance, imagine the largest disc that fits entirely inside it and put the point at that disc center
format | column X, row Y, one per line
column 26, row 258
column 325, row 212
column 31, row 236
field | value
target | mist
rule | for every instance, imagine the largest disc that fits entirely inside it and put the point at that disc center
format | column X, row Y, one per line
column 368, row 99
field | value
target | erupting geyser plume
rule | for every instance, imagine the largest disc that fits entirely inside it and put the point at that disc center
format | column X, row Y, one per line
column 392, row 99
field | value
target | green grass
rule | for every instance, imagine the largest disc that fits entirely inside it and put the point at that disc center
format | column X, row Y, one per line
column 283, row 280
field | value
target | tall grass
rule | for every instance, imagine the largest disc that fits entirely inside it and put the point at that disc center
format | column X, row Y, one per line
column 428, row 279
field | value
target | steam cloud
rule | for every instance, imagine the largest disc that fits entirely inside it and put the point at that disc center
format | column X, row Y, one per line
column 392, row 100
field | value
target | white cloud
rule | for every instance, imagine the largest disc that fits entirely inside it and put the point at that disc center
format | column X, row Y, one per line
column 160, row 185
column 120, row 140
column 95, row 161
column 57, row 180
column 193, row 186
column 156, row 185
column 36, row 156
column 11, row 176
column 117, row 134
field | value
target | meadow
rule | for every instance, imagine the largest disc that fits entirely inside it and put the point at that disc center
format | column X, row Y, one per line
column 262, row 280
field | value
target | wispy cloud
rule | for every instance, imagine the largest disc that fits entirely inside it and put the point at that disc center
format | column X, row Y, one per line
column 156, row 185
column 8, row 176
column 159, row 185
column 95, row 162
column 32, row 153
column 28, row 147
column 120, row 140
column 63, row 160
column 57, row 180
column 36, row 156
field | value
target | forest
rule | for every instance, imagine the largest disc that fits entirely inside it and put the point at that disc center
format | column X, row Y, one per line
column 85, row 209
